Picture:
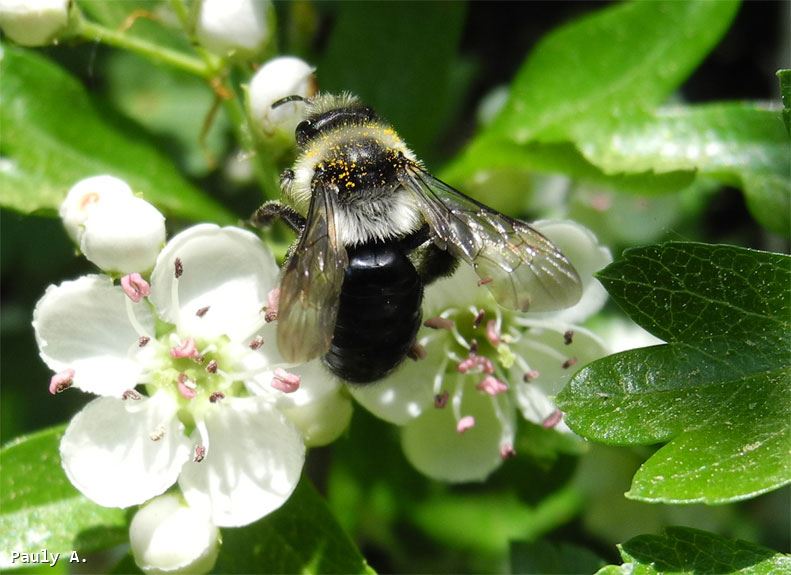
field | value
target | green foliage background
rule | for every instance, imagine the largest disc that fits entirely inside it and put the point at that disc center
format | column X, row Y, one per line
column 624, row 117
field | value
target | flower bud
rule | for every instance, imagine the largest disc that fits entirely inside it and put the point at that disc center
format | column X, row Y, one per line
column 275, row 80
column 321, row 422
column 168, row 536
column 239, row 28
column 84, row 196
column 123, row 236
column 33, row 22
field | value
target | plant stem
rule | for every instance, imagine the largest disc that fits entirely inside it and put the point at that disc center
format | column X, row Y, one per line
column 97, row 32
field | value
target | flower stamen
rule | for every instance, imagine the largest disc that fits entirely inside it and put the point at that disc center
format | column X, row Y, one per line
column 552, row 419
column 186, row 348
column 131, row 394
column 135, row 287
column 61, row 381
column 439, row 322
column 285, row 381
column 272, row 303
column 465, row 423
column 492, row 386
column 187, row 387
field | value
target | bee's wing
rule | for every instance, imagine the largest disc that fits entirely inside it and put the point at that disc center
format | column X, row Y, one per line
column 311, row 284
column 524, row 270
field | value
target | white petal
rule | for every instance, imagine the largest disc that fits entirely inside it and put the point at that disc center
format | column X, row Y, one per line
column 581, row 247
column 227, row 26
column 111, row 453
column 124, row 235
column 85, row 195
column 229, row 270
column 83, row 325
column 545, row 351
column 432, row 444
column 622, row 334
column 409, row 391
column 253, row 464
column 168, row 536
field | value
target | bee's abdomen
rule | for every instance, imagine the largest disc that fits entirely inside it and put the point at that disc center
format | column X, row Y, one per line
column 378, row 315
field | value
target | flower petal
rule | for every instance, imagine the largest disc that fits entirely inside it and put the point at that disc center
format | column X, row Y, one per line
column 582, row 248
column 168, row 536
column 123, row 452
column 545, row 351
column 252, row 466
column 83, row 325
column 435, row 447
column 407, row 392
column 229, row 270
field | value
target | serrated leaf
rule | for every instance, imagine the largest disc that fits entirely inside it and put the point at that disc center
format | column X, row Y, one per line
column 544, row 558
column 300, row 537
column 717, row 391
column 627, row 57
column 683, row 550
column 737, row 144
column 39, row 508
column 54, row 135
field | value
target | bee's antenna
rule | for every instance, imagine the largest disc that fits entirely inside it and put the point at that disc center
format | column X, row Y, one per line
column 287, row 99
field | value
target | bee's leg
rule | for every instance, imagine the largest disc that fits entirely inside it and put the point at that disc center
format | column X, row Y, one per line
column 267, row 213
column 433, row 263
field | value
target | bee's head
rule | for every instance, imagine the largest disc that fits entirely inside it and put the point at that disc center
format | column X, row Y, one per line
column 326, row 112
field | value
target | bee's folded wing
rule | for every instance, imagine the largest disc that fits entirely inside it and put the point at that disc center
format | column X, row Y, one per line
column 311, row 284
column 523, row 269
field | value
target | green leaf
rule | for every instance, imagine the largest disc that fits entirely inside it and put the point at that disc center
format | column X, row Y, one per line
column 544, row 558
column 738, row 144
column 484, row 523
column 397, row 57
column 300, row 537
column 41, row 509
column 718, row 390
column 683, row 550
column 53, row 136
column 626, row 57
column 172, row 104
column 785, row 93
column 492, row 153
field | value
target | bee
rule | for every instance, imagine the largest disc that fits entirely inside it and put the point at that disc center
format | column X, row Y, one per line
column 377, row 228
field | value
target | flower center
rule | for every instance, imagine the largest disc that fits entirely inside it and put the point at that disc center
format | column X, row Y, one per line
column 477, row 355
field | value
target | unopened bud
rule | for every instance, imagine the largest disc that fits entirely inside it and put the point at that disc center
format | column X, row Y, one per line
column 277, row 79
column 236, row 28
column 33, row 22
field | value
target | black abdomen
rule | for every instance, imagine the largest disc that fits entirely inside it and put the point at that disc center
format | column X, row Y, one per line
column 379, row 313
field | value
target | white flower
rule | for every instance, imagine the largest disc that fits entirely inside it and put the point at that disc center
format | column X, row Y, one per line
column 123, row 236
column 33, row 22
column 168, row 536
column 216, row 414
column 483, row 365
column 116, row 230
column 85, row 195
column 239, row 28
column 277, row 79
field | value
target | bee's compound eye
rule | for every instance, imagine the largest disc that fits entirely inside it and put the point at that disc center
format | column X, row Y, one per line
column 304, row 132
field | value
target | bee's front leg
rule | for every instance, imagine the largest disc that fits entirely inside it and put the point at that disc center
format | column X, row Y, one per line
column 272, row 210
